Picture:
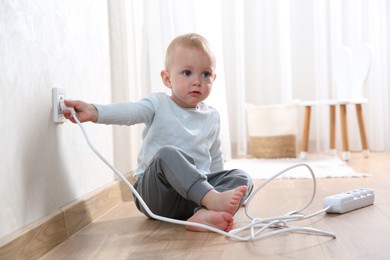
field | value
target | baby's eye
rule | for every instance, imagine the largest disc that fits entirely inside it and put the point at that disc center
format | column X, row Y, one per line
column 206, row 74
column 187, row 73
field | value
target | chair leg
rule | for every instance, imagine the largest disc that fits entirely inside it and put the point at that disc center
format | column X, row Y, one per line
column 332, row 129
column 305, row 133
column 344, row 132
column 362, row 130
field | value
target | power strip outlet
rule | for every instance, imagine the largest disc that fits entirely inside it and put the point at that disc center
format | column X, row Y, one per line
column 348, row 201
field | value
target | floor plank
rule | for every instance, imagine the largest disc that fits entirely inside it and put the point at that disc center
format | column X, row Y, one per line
column 124, row 233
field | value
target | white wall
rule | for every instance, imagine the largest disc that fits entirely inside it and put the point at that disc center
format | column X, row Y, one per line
column 44, row 166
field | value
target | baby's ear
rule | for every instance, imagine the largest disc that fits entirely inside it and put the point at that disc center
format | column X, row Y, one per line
column 165, row 78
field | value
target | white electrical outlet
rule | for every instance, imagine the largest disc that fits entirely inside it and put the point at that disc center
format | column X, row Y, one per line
column 57, row 94
column 348, row 201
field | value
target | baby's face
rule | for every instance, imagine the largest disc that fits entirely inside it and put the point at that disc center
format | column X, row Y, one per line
column 190, row 76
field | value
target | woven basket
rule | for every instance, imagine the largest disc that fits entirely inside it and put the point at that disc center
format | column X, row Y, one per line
column 272, row 130
column 273, row 146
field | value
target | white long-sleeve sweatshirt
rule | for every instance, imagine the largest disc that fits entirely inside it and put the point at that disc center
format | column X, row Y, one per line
column 194, row 130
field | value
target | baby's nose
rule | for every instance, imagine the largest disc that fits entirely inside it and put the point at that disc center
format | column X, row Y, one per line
column 196, row 82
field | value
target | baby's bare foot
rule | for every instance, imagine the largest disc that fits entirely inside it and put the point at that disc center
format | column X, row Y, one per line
column 220, row 220
column 224, row 201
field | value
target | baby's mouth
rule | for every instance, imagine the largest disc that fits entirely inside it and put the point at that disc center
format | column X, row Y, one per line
column 195, row 92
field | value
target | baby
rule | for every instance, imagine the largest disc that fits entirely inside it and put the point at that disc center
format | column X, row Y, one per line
column 180, row 170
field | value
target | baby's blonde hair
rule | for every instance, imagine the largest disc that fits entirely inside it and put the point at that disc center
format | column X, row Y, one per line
column 191, row 41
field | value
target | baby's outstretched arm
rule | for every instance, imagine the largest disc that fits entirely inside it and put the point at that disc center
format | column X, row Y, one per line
column 84, row 111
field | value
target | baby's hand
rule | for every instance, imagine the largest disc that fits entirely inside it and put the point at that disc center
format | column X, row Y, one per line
column 84, row 111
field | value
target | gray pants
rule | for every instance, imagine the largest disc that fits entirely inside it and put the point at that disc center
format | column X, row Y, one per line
column 172, row 186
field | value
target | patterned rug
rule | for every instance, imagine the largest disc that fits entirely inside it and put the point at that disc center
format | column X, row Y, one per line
column 325, row 167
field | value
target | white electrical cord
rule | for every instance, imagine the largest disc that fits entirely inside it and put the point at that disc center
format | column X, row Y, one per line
column 257, row 225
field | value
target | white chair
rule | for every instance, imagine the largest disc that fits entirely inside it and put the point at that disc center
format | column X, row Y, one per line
column 349, row 72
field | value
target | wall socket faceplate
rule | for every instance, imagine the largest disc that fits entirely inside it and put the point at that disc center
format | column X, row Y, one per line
column 57, row 94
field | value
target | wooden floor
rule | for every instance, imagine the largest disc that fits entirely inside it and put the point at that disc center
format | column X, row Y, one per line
column 124, row 233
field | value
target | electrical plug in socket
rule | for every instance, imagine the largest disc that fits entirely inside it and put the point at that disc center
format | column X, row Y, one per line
column 57, row 95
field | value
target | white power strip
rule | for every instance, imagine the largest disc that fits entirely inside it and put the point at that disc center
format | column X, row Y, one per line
column 348, row 201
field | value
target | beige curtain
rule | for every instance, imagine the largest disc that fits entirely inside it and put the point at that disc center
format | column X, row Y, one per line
column 269, row 52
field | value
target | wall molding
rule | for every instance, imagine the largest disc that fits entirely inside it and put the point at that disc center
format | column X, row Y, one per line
column 38, row 238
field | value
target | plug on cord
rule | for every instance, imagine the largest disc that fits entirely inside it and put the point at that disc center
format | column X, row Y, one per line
column 61, row 106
